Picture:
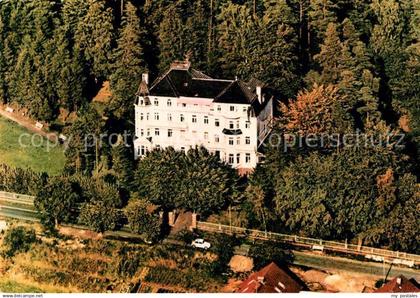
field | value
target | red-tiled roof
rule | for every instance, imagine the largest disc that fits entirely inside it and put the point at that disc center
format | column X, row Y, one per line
column 270, row 279
column 399, row 284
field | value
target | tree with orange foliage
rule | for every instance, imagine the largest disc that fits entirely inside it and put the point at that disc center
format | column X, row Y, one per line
column 318, row 111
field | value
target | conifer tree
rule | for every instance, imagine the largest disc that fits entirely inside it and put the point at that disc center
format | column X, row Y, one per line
column 94, row 37
column 128, row 63
column 172, row 43
column 330, row 56
column 122, row 164
column 68, row 72
column 236, row 32
column 321, row 14
column 197, row 35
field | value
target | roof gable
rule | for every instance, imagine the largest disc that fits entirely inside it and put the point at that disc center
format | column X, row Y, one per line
column 399, row 284
column 188, row 83
column 271, row 279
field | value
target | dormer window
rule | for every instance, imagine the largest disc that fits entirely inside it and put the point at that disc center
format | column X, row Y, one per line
column 156, row 102
column 169, row 103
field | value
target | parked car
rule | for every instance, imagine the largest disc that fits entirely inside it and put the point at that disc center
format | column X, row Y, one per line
column 200, row 243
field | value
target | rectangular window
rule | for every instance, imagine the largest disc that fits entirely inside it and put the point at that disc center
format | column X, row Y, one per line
column 156, row 102
column 141, row 102
column 156, row 131
column 247, row 157
column 183, row 149
column 247, row 140
column 169, row 103
column 148, row 132
column 216, row 139
column 158, row 147
column 141, row 132
column 206, row 135
column 219, row 108
column 147, row 116
column 231, row 160
column 231, row 126
column 237, row 124
column 232, row 108
column 238, row 158
column 169, row 117
column 206, row 119
column 231, row 141
column 238, row 141
column 156, row 116
column 244, row 109
column 181, row 117
column 194, row 119
column 170, row 133
column 247, row 124
column 216, row 122
column 141, row 116
column 142, row 150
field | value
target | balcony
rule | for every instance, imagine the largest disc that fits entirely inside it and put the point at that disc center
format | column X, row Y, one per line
column 232, row 132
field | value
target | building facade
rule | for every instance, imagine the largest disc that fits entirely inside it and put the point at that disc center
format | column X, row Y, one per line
column 185, row 108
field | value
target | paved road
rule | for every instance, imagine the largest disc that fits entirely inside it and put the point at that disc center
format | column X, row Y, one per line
column 324, row 262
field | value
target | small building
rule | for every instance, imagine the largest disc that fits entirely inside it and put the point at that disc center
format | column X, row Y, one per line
column 185, row 108
column 400, row 284
column 272, row 279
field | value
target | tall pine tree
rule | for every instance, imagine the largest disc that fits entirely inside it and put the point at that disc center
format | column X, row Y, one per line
column 128, row 63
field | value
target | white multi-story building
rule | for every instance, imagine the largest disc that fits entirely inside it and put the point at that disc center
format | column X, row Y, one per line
column 185, row 108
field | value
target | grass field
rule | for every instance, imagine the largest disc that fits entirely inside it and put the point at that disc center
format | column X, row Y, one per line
column 10, row 286
column 39, row 158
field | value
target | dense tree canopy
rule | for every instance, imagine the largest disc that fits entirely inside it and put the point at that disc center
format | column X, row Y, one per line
column 196, row 181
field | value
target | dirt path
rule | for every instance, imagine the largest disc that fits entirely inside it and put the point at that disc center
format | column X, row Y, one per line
column 27, row 123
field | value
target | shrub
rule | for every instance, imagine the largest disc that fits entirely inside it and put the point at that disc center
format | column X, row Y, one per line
column 269, row 251
column 100, row 217
column 18, row 239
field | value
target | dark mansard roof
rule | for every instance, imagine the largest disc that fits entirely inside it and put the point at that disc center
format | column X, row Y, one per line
column 182, row 80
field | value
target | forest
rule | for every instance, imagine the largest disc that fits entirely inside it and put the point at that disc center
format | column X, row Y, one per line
column 342, row 66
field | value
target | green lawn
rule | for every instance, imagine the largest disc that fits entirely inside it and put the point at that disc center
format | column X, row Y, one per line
column 38, row 157
column 15, row 287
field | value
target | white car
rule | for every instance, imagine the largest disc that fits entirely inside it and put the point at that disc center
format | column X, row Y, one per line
column 200, row 243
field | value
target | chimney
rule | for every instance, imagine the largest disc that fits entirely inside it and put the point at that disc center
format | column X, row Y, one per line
column 260, row 279
column 259, row 93
column 145, row 78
